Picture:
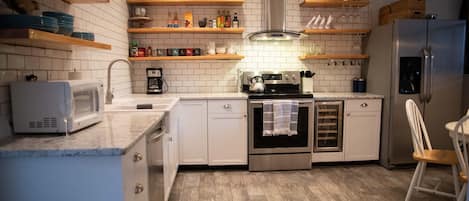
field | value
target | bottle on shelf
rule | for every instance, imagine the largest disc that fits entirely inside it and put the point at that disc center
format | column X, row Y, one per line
column 148, row 52
column 235, row 23
column 227, row 19
column 175, row 20
column 218, row 18
column 170, row 19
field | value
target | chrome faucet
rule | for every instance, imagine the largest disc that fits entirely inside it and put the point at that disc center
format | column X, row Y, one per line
column 109, row 94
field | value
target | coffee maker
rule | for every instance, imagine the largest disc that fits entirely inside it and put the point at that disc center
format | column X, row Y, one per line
column 155, row 81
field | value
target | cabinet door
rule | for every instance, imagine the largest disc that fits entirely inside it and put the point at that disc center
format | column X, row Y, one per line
column 227, row 139
column 193, row 133
column 361, row 135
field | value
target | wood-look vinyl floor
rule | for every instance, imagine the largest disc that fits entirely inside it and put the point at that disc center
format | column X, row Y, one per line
column 324, row 183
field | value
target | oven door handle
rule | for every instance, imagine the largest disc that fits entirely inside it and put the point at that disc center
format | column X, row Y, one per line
column 300, row 102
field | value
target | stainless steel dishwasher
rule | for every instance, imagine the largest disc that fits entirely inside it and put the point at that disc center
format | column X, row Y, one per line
column 155, row 161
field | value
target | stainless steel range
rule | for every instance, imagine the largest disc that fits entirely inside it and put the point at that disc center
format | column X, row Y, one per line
column 278, row 152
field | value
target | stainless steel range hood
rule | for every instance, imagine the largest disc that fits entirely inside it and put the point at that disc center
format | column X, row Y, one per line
column 274, row 16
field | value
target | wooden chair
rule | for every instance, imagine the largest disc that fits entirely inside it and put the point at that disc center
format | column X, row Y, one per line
column 424, row 153
column 460, row 141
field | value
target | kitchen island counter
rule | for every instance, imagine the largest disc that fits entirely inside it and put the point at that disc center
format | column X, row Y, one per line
column 113, row 136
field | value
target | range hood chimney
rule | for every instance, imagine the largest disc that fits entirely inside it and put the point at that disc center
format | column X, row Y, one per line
column 274, row 16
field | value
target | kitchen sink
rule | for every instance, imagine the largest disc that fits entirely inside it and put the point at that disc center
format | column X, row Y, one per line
column 141, row 104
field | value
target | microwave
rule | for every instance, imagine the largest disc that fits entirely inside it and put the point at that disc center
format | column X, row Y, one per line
column 60, row 106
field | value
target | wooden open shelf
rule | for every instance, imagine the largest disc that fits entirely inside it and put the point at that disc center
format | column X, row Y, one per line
column 334, row 56
column 334, row 3
column 179, row 58
column 186, row 30
column 85, row 1
column 36, row 38
column 188, row 2
column 336, row 31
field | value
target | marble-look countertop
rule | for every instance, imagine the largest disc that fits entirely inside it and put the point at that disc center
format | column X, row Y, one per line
column 196, row 96
column 241, row 96
column 118, row 132
column 345, row 95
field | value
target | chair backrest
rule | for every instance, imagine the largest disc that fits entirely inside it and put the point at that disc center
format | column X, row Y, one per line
column 419, row 132
column 459, row 137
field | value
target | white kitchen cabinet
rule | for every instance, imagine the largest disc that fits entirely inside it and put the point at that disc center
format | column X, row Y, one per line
column 362, row 124
column 193, row 132
column 171, row 150
column 135, row 173
column 227, row 132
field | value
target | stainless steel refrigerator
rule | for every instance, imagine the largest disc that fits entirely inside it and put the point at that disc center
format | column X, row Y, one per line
column 421, row 60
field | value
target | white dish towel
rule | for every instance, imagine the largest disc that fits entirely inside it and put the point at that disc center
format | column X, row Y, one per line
column 280, row 117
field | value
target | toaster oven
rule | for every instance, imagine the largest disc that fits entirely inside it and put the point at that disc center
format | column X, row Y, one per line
column 61, row 106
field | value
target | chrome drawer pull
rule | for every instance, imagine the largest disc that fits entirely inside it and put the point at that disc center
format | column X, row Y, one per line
column 227, row 106
column 364, row 105
column 138, row 157
column 139, row 188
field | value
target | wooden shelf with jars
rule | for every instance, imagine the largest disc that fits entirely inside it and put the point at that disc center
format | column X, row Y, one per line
column 334, row 56
column 187, row 30
column 187, row 2
column 182, row 58
column 334, row 3
column 337, row 31
column 36, row 38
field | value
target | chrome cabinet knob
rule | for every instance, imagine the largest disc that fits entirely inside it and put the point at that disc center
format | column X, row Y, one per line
column 170, row 139
column 138, row 157
column 138, row 188
column 348, row 114
column 364, row 105
column 227, row 106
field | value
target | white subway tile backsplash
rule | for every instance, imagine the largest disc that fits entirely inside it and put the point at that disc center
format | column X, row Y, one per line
column 15, row 61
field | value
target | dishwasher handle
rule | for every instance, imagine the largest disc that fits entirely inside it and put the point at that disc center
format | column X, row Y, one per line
column 157, row 134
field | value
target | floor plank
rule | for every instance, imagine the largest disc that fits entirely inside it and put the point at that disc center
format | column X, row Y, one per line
column 323, row 183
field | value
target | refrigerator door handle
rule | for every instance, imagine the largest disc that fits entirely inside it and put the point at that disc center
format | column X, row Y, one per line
column 429, row 77
column 423, row 93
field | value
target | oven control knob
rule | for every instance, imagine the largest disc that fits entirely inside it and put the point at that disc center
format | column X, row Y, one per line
column 286, row 77
column 293, row 77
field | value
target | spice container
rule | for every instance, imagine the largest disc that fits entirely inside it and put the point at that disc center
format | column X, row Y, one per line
column 134, row 49
column 161, row 52
column 174, row 52
column 141, row 52
column 196, row 52
column 182, row 52
column 189, row 52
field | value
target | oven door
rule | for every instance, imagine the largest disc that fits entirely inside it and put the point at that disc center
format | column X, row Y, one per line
column 259, row 144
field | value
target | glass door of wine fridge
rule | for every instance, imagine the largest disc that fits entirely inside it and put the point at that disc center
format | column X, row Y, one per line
column 328, row 126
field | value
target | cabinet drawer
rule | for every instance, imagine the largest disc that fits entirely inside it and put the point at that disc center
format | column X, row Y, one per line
column 227, row 106
column 363, row 105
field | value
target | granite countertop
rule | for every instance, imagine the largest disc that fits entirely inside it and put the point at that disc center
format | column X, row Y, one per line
column 346, row 95
column 118, row 132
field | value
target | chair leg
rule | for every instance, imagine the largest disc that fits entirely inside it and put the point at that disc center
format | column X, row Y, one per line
column 455, row 180
column 462, row 193
column 413, row 181
column 422, row 172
